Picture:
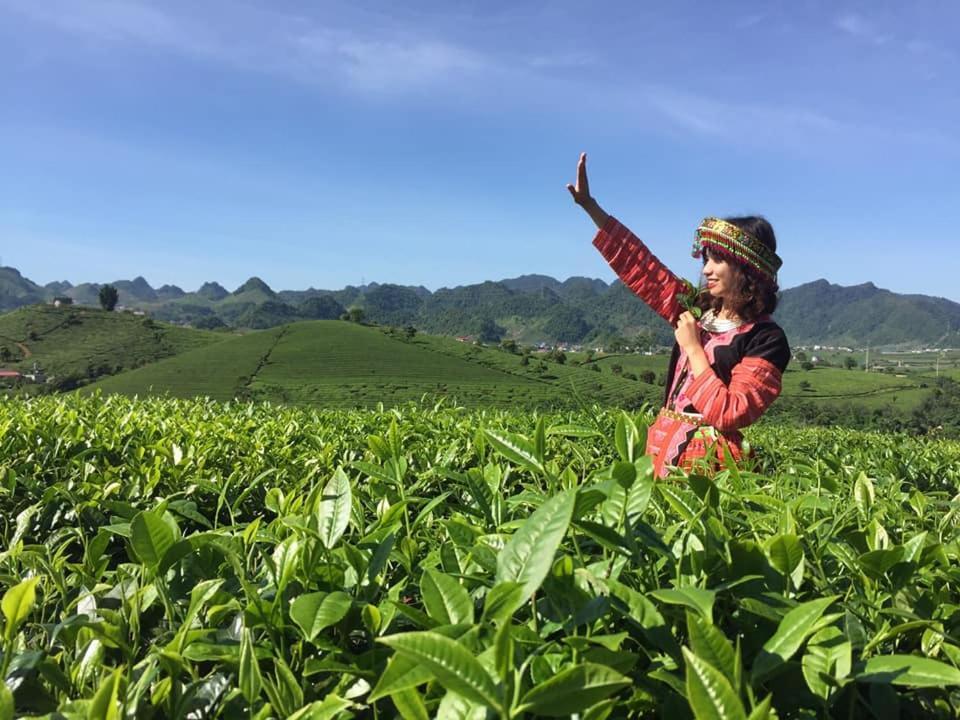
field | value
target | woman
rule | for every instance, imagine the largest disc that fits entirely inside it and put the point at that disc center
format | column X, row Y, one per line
column 726, row 368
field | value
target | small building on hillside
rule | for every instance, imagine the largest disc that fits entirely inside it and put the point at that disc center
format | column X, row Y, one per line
column 36, row 374
column 62, row 300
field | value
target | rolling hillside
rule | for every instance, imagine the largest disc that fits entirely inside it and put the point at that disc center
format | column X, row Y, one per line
column 74, row 344
column 335, row 363
column 529, row 309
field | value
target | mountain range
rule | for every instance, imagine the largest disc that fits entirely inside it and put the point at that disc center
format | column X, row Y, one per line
column 528, row 308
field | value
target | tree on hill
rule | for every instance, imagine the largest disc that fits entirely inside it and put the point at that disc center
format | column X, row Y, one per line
column 489, row 331
column 355, row 314
column 108, row 296
column 849, row 362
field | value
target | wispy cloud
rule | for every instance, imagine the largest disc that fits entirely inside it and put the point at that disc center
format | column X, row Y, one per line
column 115, row 21
column 387, row 55
column 861, row 28
column 386, row 64
column 747, row 21
column 379, row 59
column 784, row 127
column 562, row 61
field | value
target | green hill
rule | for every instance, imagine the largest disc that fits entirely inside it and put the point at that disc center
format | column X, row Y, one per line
column 74, row 344
column 820, row 312
column 528, row 309
column 335, row 363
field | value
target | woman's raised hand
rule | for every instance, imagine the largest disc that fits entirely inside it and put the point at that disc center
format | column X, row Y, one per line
column 581, row 191
column 581, row 194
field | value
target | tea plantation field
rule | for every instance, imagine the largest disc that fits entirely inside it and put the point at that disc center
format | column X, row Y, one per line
column 331, row 363
column 166, row 558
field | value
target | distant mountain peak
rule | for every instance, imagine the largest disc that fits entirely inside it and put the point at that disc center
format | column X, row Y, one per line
column 170, row 292
column 255, row 284
column 139, row 288
column 213, row 291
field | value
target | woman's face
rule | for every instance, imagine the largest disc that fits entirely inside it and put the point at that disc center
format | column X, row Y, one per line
column 719, row 275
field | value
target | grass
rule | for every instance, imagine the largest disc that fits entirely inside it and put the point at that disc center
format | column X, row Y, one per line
column 83, row 342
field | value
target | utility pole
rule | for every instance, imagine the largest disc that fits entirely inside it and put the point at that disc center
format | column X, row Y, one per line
column 866, row 363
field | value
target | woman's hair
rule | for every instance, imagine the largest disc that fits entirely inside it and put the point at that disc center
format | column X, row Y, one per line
column 753, row 294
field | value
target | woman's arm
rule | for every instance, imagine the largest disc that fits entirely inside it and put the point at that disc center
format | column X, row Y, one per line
column 638, row 268
column 755, row 381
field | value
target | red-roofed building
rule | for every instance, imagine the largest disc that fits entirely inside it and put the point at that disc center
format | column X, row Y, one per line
column 10, row 375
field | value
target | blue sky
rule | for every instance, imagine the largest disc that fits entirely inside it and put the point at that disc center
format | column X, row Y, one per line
column 324, row 144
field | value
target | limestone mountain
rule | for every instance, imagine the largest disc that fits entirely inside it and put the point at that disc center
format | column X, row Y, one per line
column 213, row 291
column 16, row 290
column 528, row 308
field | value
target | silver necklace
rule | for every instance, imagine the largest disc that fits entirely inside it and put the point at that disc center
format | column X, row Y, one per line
column 712, row 323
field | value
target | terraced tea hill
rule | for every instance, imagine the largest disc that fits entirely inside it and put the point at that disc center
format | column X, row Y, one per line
column 73, row 344
column 340, row 364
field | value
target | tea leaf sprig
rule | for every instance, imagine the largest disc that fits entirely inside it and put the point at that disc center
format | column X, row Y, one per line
column 688, row 298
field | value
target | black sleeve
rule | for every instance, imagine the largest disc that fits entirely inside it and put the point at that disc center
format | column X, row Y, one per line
column 770, row 343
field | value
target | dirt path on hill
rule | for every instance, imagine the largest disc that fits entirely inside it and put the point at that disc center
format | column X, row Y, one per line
column 24, row 349
column 264, row 359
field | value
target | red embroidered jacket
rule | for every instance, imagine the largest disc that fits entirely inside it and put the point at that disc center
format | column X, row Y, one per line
column 746, row 363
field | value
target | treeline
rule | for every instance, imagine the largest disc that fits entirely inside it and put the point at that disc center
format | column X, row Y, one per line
column 939, row 414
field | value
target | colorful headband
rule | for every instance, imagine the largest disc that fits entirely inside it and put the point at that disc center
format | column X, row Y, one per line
column 729, row 240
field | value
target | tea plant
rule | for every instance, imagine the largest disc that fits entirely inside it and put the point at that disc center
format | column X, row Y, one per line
column 188, row 559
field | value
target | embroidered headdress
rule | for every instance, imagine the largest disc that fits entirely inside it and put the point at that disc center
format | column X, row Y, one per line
column 729, row 240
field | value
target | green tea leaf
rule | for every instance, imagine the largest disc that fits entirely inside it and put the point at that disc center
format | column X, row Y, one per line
column 573, row 690
column 327, row 709
column 410, row 705
column 763, row 710
column 314, row 612
column 333, row 515
column 150, row 537
column 453, row 665
column 795, row 627
column 250, row 679
column 16, row 605
column 709, row 692
column 529, row 554
column 696, row 599
column 105, row 704
column 864, row 494
column 454, row 706
column 708, row 643
column 502, row 601
column 909, row 670
column 786, row 555
column 446, row 600
column 517, row 449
